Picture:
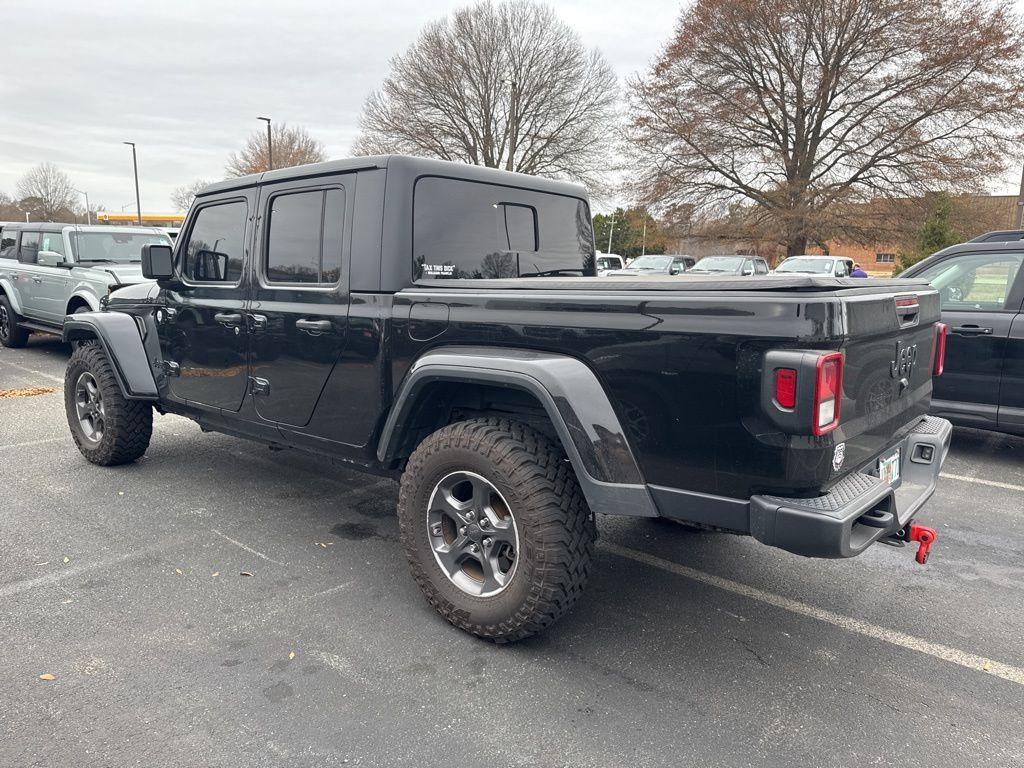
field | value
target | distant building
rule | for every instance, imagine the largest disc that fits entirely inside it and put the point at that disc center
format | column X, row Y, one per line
column 148, row 219
column 972, row 215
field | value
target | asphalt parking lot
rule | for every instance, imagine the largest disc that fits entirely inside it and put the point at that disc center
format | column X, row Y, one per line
column 128, row 586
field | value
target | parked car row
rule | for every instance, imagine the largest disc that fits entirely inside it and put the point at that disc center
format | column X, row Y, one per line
column 611, row 265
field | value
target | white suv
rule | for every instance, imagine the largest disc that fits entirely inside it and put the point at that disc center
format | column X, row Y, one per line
column 48, row 271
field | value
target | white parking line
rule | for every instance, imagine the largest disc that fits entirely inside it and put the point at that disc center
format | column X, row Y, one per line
column 901, row 639
column 34, row 372
column 993, row 483
column 250, row 550
column 35, row 442
column 17, row 587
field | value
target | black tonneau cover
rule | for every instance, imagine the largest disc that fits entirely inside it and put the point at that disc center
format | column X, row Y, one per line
column 684, row 283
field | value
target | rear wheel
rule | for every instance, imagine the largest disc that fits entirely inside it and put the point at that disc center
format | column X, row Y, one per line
column 10, row 334
column 495, row 527
column 107, row 428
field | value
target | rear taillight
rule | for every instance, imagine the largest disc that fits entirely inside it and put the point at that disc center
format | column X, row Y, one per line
column 828, row 388
column 939, row 365
column 785, row 387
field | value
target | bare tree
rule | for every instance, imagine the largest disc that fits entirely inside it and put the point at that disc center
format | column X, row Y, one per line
column 183, row 196
column 292, row 146
column 506, row 86
column 802, row 108
column 49, row 191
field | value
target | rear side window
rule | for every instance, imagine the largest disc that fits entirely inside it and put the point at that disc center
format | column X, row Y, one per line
column 215, row 251
column 305, row 237
column 8, row 239
column 29, row 253
column 467, row 229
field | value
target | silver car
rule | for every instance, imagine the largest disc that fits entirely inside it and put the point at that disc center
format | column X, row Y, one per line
column 49, row 271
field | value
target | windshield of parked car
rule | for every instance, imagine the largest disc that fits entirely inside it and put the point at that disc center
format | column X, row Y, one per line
column 650, row 262
column 113, row 247
column 718, row 264
column 806, row 266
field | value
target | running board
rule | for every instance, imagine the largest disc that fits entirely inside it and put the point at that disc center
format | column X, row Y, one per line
column 28, row 325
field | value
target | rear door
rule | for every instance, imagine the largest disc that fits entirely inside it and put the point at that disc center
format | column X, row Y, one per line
column 979, row 304
column 27, row 278
column 299, row 312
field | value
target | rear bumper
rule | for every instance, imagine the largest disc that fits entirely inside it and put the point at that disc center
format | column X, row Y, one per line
column 860, row 509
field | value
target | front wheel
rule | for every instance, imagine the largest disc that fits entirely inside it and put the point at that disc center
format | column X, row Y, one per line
column 107, row 428
column 496, row 529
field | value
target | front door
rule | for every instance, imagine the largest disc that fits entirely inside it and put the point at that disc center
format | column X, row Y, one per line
column 51, row 294
column 975, row 290
column 202, row 329
column 299, row 311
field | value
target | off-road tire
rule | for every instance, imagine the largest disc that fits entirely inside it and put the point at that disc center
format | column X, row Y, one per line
column 128, row 424
column 556, row 528
column 10, row 334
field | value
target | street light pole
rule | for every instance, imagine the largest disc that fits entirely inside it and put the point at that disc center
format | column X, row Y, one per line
column 270, row 145
column 135, row 167
column 88, row 210
column 611, row 229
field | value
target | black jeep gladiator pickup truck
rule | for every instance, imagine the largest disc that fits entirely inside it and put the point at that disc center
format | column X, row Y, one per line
column 443, row 324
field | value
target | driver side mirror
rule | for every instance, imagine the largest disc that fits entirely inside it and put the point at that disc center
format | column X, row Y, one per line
column 49, row 259
column 157, row 262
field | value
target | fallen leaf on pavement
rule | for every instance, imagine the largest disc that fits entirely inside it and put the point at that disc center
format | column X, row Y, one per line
column 291, row 655
column 47, row 676
column 67, row 559
column 245, row 573
column 216, row 574
column 178, row 571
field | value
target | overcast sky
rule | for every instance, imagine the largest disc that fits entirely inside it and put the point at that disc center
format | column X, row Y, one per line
column 186, row 80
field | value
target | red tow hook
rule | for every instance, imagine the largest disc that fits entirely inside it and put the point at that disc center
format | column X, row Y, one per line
column 925, row 537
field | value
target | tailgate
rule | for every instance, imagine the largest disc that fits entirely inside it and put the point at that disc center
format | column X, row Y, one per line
column 888, row 361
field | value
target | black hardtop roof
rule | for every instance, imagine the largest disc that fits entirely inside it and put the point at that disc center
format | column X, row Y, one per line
column 413, row 167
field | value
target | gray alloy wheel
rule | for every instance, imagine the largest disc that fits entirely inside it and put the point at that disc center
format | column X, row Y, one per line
column 89, row 407
column 473, row 534
column 5, row 323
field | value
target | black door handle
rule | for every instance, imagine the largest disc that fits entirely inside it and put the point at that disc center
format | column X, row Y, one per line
column 972, row 330
column 313, row 326
column 228, row 318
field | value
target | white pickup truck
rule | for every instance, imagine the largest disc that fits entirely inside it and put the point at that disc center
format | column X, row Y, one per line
column 49, row 271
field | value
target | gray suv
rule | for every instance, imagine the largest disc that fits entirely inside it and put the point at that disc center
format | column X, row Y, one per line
column 49, row 271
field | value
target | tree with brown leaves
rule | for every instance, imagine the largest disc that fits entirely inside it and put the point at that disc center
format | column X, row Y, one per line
column 505, row 85
column 801, row 108
column 292, row 145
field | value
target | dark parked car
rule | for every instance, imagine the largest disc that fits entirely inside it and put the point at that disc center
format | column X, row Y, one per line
column 981, row 288
column 443, row 324
column 731, row 265
column 655, row 264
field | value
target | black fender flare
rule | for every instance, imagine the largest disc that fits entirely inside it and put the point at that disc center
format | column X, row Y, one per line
column 574, row 400
column 121, row 339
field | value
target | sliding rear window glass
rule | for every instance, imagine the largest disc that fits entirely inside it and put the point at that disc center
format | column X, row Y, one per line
column 467, row 229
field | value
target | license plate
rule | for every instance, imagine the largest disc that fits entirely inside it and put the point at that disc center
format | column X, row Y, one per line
column 889, row 468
